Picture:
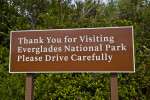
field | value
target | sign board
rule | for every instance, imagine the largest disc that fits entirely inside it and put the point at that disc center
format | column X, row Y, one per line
column 109, row 49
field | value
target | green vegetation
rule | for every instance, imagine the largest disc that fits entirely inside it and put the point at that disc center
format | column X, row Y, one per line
column 56, row 14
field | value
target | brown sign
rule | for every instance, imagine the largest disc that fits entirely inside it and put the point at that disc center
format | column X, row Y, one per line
column 109, row 49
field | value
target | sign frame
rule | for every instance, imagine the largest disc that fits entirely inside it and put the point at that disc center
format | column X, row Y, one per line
column 75, row 71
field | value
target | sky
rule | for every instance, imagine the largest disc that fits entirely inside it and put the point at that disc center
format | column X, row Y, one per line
column 105, row 1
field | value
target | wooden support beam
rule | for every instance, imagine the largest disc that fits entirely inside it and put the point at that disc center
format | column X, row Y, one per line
column 114, row 86
column 29, row 86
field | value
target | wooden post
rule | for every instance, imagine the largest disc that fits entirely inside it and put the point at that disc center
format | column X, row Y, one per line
column 114, row 86
column 29, row 86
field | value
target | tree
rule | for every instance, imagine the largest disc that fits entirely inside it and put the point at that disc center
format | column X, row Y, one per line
column 52, row 14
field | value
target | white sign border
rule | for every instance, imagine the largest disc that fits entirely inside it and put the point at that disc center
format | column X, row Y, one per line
column 75, row 71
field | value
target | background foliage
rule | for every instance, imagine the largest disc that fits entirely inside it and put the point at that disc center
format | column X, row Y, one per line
column 56, row 14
